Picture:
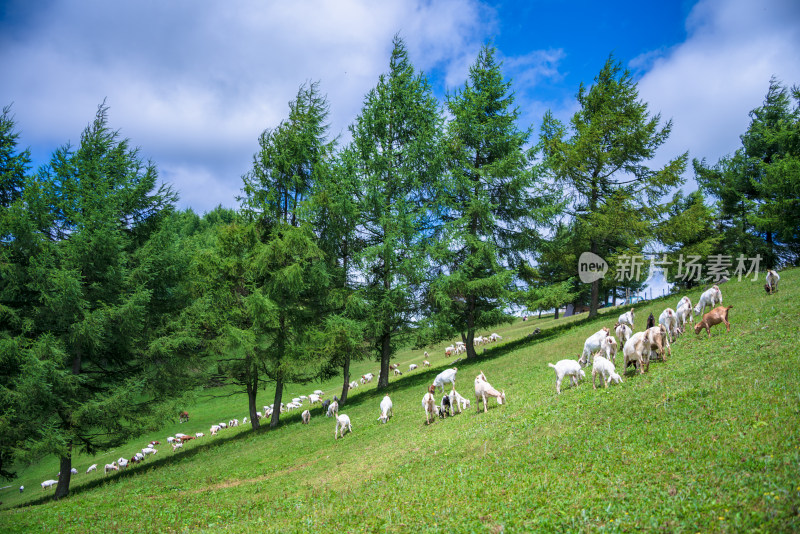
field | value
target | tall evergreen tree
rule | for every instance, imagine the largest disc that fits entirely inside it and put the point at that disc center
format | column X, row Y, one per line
column 288, row 299
column 757, row 185
column 489, row 207
column 82, row 233
column 396, row 143
column 601, row 162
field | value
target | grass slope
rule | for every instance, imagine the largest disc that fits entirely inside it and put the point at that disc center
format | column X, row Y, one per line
column 707, row 441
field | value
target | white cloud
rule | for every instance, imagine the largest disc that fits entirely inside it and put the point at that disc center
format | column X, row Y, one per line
column 194, row 83
column 709, row 83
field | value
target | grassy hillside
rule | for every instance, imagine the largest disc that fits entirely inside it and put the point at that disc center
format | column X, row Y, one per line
column 708, row 441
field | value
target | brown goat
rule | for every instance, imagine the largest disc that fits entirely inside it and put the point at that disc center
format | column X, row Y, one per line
column 714, row 317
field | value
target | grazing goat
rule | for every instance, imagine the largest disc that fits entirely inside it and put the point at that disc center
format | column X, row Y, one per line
column 444, row 407
column 343, row 423
column 318, row 392
column 592, row 345
column 495, row 337
column 314, row 398
column 714, row 317
column 623, row 332
column 149, row 450
column 484, row 389
column 429, row 404
column 634, row 351
column 386, row 409
column 457, row 401
column 772, row 281
column 426, row 363
column 606, row 370
column 367, row 378
column 412, row 366
column 306, row 416
column 448, row 376
column 659, row 343
column 626, row 318
column 111, row 467
column 449, row 351
column 183, row 417
column 92, row 467
column 333, row 409
column 710, row 297
column 397, row 372
column 669, row 319
column 684, row 314
column 49, row 483
column 570, row 368
column 199, row 435
column 353, row 385
column 176, row 446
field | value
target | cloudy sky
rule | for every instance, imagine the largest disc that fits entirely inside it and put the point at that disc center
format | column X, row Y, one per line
column 193, row 83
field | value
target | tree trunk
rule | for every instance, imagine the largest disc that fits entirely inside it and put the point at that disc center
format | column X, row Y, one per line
column 470, row 341
column 595, row 295
column 346, row 376
column 252, row 390
column 62, row 490
column 383, row 380
column 556, row 314
column 276, row 404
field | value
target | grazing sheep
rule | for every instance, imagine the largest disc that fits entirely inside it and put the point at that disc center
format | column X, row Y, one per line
column 457, row 401
column 92, row 467
column 592, row 345
column 623, row 332
column 606, row 370
column 386, row 409
column 626, row 318
column 429, row 404
column 772, row 281
column 711, row 297
column 448, row 376
column 669, row 320
column 343, row 423
column 714, row 317
column 306, row 416
column 484, row 389
column 570, row 368
column 412, row 366
column 634, row 351
column 333, row 409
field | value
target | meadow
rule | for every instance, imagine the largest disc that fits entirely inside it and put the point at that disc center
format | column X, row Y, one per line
column 708, row 441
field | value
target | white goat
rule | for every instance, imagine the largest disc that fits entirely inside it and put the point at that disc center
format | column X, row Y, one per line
column 112, row 467
column 429, row 405
column 623, row 332
column 570, row 368
column 412, row 366
column 367, row 378
column 772, row 281
column 669, row 319
column 426, row 363
column 626, row 318
column 306, row 416
column 48, row 483
column 710, row 297
column 314, row 398
column 386, row 409
column 448, row 376
column 495, row 337
column 318, row 392
column 353, row 385
column 484, row 389
column 457, row 401
column 683, row 313
column 609, row 347
column 634, row 351
column 176, row 446
column 606, row 370
column 199, row 435
column 149, row 450
column 343, row 423
column 592, row 344
column 92, row 467
column 333, row 409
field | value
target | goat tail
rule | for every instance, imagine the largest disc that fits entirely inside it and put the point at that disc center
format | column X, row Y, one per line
column 551, row 365
column 729, row 307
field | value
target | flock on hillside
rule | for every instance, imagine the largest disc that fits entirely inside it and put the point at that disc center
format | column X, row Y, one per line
column 654, row 342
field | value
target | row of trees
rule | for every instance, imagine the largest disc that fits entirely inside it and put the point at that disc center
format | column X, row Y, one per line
column 431, row 222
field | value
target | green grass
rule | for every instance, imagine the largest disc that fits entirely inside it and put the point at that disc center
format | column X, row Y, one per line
column 706, row 442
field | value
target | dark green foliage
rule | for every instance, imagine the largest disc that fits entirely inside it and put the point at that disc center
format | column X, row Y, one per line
column 601, row 163
column 489, row 207
column 94, row 273
column 397, row 159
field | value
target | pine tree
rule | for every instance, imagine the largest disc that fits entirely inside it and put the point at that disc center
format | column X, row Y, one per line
column 489, row 207
column 600, row 161
column 396, row 147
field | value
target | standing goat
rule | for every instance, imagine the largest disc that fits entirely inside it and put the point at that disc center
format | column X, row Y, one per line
column 343, row 423
column 772, row 281
column 484, row 389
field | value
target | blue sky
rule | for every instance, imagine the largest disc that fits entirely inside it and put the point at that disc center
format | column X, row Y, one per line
column 193, row 82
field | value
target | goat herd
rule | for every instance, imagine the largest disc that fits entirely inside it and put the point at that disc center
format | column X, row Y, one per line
column 601, row 347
